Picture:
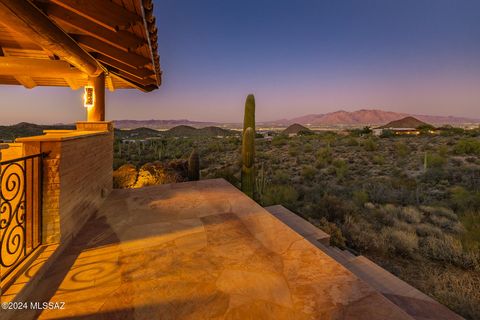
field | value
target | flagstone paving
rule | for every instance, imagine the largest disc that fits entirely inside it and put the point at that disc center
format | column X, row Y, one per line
column 199, row 250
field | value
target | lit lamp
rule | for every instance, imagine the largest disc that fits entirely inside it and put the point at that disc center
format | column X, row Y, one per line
column 88, row 97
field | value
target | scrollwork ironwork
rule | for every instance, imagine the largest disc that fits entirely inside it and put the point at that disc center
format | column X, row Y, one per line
column 19, row 210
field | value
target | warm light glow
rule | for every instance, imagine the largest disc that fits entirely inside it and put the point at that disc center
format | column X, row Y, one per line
column 89, row 97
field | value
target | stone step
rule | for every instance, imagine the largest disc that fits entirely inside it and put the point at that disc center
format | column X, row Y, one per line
column 300, row 225
column 382, row 280
column 413, row 301
column 349, row 255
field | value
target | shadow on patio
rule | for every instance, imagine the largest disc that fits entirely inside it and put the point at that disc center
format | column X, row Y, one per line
column 198, row 250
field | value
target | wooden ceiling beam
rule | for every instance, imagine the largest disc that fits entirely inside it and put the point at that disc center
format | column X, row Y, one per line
column 140, row 73
column 103, row 12
column 144, row 88
column 72, row 83
column 26, row 81
column 121, row 39
column 25, row 18
column 94, row 45
column 143, row 82
column 109, row 83
column 14, row 66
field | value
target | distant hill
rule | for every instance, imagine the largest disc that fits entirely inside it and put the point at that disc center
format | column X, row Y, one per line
column 296, row 129
column 368, row 117
column 159, row 124
column 138, row 133
column 187, row 131
column 407, row 122
column 25, row 129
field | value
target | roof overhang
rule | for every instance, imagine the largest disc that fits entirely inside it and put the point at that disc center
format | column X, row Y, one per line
column 63, row 42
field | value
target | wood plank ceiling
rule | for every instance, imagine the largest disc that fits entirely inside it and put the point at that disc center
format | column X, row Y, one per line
column 120, row 34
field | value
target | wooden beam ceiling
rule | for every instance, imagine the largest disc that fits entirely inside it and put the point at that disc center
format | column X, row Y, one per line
column 103, row 12
column 88, row 36
column 14, row 66
column 145, row 88
column 121, row 39
column 140, row 73
column 25, row 18
column 94, row 45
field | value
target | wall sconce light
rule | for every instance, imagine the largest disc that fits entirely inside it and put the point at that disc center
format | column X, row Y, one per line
column 88, row 97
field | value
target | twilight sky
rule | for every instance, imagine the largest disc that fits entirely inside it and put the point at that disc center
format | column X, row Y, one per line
column 297, row 56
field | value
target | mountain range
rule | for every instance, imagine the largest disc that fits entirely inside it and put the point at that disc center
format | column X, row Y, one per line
column 338, row 118
column 368, row 117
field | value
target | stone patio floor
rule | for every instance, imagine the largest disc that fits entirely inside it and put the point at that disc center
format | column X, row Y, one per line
column 199, row 250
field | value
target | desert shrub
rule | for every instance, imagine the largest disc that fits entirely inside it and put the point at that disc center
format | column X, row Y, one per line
column 341, row 167
column 308, row 148
column 293, row 150
column 321, row 163
column 428, row 230
column 308, row 172
column 279, row 140
column 396, row 190
column 401, row 242
column 360, row 197
column 445, row 249
column 465, row 200
column 352, row 142
column 467, row 146
column 281, row 176
column 370, row 144
column 378, row 159
column 443, row 150
column 410, row 214
column 401, row 149
column 325, row 154
column 434, row 160
column 456, row 289
column 450, row 250
column 333, row 209
column 336, row 237
column 279, row 194
column 471, row 237
column 440, row 221
column 440, row 211
column 363, row 237
column 125, row 177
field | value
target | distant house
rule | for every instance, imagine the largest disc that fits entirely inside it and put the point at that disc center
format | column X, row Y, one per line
column 405, row 126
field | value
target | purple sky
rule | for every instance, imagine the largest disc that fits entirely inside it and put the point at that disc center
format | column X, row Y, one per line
column 298, row 57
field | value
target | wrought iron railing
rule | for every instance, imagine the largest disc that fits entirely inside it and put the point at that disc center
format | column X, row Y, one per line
column 20, row 210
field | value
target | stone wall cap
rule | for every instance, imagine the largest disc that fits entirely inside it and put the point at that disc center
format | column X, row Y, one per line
column 61, row 135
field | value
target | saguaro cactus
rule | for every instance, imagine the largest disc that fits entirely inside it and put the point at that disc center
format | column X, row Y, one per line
column 248, row 162
column 194, row 166
column 425, row 161
column 249, row 117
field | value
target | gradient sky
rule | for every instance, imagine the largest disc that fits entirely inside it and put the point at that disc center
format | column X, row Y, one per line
column 297, row 56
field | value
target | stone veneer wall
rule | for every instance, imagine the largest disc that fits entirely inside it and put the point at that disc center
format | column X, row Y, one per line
column 77, row 176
